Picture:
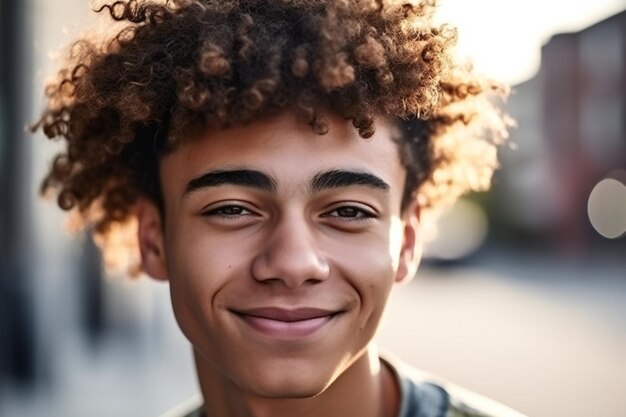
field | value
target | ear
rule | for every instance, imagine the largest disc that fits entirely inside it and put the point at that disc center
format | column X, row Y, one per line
column 151, row 242
column 411, row 251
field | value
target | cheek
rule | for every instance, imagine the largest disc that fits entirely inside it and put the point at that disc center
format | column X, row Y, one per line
column 367, row 266
column 203, row 259
column 200, row 268
column 365, row 258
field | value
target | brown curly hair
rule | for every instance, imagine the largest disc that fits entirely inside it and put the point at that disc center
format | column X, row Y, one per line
column 177, row 66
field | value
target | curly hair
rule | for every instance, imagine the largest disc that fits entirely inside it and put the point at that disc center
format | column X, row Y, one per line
column 176, row 66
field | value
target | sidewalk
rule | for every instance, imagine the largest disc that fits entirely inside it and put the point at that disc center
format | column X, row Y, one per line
column 546, row 338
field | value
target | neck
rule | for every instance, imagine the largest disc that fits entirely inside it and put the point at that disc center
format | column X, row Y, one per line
column 365, row 389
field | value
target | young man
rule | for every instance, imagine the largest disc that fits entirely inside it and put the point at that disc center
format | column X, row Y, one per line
column 272, row 160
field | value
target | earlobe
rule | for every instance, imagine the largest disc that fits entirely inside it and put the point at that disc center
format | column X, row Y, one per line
column 411, row 251
column 150, row 238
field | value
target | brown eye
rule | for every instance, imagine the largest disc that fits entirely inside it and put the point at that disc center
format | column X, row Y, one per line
column 350, row 213
column 229, row 211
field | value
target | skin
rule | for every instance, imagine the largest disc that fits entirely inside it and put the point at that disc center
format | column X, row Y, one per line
column 273, row 215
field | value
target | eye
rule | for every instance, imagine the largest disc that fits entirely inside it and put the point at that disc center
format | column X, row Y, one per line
column 229, row 211
column 350, row 213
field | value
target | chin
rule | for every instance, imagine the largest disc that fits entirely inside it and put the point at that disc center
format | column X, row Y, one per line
column 289, row 394
column 292, row 386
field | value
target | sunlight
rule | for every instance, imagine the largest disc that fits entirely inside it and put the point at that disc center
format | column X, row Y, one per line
column 504, row 39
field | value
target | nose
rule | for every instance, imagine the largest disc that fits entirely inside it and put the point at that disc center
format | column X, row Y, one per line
column 290, row 256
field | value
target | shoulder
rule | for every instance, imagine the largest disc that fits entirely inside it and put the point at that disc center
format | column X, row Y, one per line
column 424, row 395
column 464, row 403
column 190, row 408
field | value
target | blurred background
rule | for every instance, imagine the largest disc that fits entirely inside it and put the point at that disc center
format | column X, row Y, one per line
column 523, row 297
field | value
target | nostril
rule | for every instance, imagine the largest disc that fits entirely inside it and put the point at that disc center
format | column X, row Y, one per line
column 269, row 281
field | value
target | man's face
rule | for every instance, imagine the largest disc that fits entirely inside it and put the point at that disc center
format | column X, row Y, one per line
column 281, row 247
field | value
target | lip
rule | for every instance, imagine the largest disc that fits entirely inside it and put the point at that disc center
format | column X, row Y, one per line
column 282, row 323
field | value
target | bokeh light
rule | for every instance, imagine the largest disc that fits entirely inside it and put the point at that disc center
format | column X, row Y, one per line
column 607, row 208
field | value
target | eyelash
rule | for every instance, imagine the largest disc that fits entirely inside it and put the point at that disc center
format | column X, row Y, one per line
column 219, row 211
column 361, row 213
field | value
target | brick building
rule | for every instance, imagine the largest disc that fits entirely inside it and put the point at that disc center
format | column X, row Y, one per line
column 571, row 135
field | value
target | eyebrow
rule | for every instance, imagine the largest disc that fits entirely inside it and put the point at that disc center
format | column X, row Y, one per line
column 241, row 177
column 335, row 178
column 345, row 178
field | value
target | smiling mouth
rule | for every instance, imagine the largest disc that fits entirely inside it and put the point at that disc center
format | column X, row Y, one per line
column 286, row 323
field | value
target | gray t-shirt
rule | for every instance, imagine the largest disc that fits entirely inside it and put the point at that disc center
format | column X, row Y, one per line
column 421, row 395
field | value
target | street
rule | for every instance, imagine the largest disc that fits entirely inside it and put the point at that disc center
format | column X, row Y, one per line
column 546, row 338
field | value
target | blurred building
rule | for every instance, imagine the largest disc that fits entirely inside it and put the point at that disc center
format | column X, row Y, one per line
column 16, row 324
column 61, row 323
column 47, row 278
column 571, row 135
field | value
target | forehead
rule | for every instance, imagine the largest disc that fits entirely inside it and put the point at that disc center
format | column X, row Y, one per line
column 286, row 149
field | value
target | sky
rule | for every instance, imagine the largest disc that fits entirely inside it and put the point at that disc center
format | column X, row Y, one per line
column 504, row 37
